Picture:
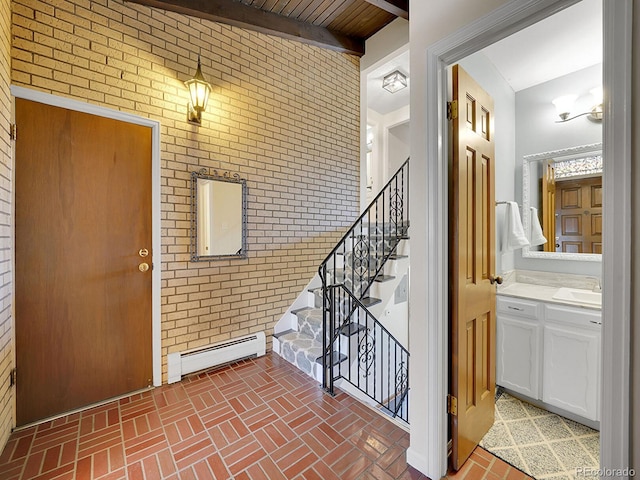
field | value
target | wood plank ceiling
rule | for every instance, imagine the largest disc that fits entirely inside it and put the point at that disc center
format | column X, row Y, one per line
column 341, row 25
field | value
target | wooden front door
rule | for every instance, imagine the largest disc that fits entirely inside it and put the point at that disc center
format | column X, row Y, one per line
column 578, row 215
column 472, row 263
column 83, row 213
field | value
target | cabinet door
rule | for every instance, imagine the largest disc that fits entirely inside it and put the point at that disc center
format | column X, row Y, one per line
column 518, row 355
column 571, row 369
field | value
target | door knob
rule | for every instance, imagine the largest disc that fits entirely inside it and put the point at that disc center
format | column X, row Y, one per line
column 143, row 267
column 497, row 279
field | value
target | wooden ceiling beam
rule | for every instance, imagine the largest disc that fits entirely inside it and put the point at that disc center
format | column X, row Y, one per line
column 399, row 8
column 240, row 15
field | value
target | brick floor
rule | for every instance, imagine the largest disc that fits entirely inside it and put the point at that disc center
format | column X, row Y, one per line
column 256, row 419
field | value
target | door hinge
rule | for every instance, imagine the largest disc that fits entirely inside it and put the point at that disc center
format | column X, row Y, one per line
column 452, row 110
column 13, row 131
column 452, row 405
column 12, row 377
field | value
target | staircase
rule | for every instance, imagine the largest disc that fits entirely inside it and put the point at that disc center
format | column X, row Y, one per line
column 341, row 330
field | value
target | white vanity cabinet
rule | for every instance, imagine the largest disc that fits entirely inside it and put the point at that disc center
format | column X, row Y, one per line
column 571, row 367
column 550, row 352
column 519, row 345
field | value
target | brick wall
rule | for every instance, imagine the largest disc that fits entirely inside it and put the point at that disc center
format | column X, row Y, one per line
column 6, row 287
column 284, row 115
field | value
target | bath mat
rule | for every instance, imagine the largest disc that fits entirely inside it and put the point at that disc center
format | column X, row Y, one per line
column 544, row 445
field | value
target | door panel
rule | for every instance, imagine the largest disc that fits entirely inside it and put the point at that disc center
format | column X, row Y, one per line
column 579, row 215
column 83, row 212
column 472, row 260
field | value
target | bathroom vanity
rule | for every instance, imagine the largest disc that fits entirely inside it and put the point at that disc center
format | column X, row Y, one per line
column 548, row 346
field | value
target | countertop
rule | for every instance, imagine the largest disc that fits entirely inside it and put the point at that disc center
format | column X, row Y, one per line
column 541, row 293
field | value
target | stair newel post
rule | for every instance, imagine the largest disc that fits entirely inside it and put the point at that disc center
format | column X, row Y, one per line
column 325, row 321
column 328, row 352
column 407, row 197
column 384, row 217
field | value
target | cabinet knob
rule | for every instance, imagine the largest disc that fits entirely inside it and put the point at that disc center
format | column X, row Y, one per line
column 497, row 279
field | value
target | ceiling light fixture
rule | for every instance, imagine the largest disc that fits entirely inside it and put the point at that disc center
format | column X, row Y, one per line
column 394, row 81
column 564, row 104
column 199, row 93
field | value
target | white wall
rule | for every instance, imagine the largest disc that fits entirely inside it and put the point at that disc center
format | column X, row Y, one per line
column 398, row 147
column 391, row 146
column 635, row 289
column 384, row 43
column 430, row 22
column 483, row 72
column 537, row 132
column 387, row 43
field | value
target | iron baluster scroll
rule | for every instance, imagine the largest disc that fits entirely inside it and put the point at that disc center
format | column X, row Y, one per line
column 347, row 274
column 381, row 364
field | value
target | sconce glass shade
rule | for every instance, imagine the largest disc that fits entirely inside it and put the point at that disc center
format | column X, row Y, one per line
column 199, row 91
column 596, row 111
column 564, row 105
column 394, row 81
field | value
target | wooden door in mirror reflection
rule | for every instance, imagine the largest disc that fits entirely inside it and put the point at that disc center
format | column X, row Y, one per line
column 549, row 205
column 578, row 215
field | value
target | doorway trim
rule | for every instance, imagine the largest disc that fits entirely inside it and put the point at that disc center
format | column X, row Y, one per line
column 79, row 106
column 511, row 17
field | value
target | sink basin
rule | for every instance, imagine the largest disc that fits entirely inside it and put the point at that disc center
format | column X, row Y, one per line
column 576, row 295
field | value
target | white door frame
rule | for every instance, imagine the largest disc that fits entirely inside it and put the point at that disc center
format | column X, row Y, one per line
column 70, row 104
column 615, row 389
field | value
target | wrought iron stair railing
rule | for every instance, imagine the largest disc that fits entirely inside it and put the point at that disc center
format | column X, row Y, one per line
column 380, row 368
column 352, row 267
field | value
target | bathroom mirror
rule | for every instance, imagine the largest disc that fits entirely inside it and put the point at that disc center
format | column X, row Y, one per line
column 566, row 188
column 218, row 216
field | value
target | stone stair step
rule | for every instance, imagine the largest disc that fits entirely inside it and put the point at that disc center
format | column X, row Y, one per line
column 352, row 329
column 310, row 322
column 301, row 350
column 280, row 334
column 369, row 301
column 336, row 358
column 384, row 278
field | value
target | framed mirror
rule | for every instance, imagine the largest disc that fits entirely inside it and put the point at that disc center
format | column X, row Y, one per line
column 218, row 216
column 565, row 186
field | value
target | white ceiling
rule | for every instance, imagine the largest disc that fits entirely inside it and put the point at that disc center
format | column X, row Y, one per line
column 563, row 43
column 378, row 98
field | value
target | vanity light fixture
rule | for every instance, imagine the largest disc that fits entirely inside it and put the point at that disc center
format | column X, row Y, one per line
column 394, row 81
column 564, row 104
column 199, row 93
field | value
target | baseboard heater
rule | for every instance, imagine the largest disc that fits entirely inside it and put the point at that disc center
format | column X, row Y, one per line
column 189, row 361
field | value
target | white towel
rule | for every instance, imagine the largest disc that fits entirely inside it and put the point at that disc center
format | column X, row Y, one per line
column 515, row 237
column 537, row 238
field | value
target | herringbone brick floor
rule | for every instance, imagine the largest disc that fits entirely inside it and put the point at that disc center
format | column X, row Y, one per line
column 253, row 420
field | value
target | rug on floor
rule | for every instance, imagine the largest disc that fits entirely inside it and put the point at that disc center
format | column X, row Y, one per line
column 541, row 444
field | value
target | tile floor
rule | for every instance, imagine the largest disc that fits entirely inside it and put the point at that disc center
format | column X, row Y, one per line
column 256, row 419
column 543, row 444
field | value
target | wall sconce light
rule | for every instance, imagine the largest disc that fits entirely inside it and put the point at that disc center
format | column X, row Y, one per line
column 565, row 103
column 394, row 81
column 199, row 92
